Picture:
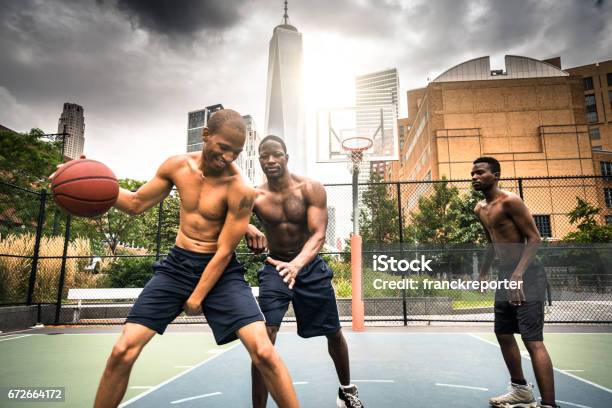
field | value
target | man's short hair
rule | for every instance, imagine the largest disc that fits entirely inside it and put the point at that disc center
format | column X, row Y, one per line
column 225, row 117
column 492, row 161
column 274, row 138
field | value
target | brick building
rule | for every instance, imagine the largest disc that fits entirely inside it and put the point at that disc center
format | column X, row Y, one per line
column 530, row 116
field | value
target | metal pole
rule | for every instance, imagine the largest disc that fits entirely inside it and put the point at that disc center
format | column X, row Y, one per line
column 401, row 240
column 520, row 187
column 159, row 222
column 60, row 289
column 39, row 229
column 355, row 198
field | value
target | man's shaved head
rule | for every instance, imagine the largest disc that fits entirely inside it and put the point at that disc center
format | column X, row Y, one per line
column 226, row 117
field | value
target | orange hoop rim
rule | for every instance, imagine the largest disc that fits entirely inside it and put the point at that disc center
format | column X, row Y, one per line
column 368, row 143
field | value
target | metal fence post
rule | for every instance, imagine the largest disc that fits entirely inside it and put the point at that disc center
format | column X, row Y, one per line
column 60, row 289
column 520, row 187
column 35, row 255
column 159, row 222
column 401, row 240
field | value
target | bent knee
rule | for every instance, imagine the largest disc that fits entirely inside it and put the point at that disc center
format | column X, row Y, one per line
column 264, row 354
column 124, row 354
column 335, row 337
column 534, row 346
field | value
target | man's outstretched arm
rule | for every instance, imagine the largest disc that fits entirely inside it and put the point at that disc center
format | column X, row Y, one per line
column 150, row 193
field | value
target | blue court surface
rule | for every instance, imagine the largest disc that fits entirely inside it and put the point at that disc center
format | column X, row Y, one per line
column 392, row 369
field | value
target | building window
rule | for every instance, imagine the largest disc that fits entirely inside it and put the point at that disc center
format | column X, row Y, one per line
column 594, row 133
column 606, row 168
column 608, row 219
column 543, row 224
column 609, row 75
column 608, row 197
column 588, row 83
column 591, row 108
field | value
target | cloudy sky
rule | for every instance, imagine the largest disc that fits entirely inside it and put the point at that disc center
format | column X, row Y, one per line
column 138, row 66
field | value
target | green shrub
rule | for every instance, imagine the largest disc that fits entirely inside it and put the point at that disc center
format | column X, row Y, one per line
column 130, row 272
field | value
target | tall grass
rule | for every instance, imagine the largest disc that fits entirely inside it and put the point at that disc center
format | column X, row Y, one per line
column 15, row 272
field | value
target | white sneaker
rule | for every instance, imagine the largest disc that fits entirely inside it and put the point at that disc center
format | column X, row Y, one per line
column 518, row 396
column 348, row 398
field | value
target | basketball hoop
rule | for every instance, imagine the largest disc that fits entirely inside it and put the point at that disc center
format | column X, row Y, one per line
column 355, row 146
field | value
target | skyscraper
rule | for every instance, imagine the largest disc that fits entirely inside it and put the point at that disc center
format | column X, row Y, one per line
column 375, row 89
column 284, row 94
column 196, row 120
column 248, row 161
column 73, row 121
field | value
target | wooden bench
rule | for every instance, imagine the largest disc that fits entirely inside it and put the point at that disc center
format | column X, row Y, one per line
column 109, row 294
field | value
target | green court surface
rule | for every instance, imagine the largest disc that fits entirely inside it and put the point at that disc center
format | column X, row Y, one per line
column 584, row 355
column 431, row 366
column 76, row 361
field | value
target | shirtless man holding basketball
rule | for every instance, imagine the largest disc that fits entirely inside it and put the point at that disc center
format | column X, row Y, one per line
column 201, row 273
column 293, row 211
column 515, row 239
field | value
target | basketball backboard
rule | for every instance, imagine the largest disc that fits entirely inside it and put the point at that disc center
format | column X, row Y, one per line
column 377, row 122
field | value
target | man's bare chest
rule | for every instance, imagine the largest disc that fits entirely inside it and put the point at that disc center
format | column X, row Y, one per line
column 279, row 208
column 206, row 200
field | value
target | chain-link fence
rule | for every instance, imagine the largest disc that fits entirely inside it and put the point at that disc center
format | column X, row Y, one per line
column 78, row 269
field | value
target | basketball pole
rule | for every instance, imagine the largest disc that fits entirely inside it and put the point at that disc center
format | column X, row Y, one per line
column 357, row 306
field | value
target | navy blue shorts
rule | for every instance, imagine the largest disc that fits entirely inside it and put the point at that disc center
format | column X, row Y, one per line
column 313, row 297
column 229, row 306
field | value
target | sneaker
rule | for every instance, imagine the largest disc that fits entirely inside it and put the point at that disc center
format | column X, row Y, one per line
column 518, row 396
column 540, row 405
column 348, row 398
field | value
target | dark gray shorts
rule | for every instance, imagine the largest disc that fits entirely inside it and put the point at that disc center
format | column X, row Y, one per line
column 313, row 298
column 229, row 306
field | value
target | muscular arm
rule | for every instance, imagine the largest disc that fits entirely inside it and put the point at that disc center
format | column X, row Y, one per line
column 150, row 193
column 316, row 214
column 518, row 212
column 239, row 206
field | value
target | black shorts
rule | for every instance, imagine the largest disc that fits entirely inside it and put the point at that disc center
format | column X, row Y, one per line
column 229, row 306
column 313, row 298
column 528, row 318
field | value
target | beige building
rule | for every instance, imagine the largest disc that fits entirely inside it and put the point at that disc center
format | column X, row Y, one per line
column 597, row 82
column 530, row 116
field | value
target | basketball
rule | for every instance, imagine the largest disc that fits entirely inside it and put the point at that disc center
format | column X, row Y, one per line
column 85, row 187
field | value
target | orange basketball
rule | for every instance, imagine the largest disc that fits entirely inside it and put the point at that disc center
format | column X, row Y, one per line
column 85, row 187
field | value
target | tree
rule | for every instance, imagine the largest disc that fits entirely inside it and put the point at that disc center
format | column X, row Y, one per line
column 583, row 216
column 446, row 217
column 115, row 226
column 379, row 217
column 26, row 159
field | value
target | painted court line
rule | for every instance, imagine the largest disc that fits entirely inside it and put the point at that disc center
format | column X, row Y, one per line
column 575, row 377
column 195, row 398
column 300, row 383
column 17, row 337
column 573, row 404
column 462, row 386
column 141, row 387
column 139, row 396
column 375, row 381
column 572, row 371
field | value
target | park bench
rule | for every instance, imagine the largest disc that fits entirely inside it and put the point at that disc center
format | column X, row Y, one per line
column 81, row 294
